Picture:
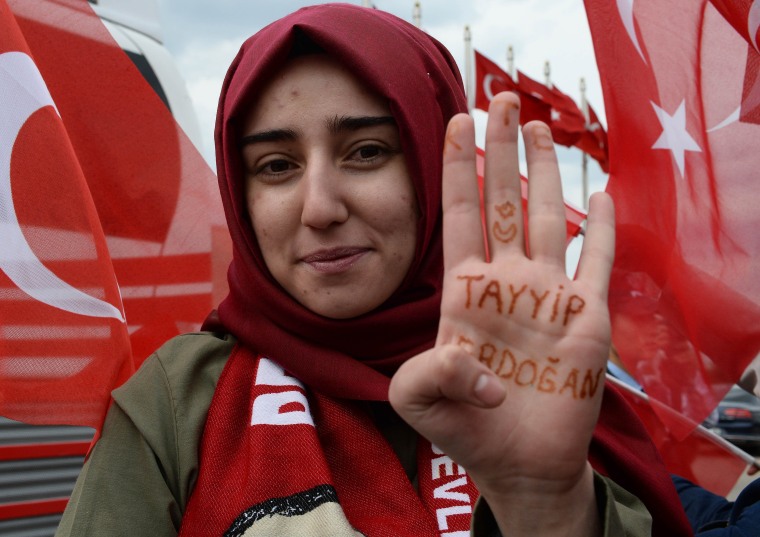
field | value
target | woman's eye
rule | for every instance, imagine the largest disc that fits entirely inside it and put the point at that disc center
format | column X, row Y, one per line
column 274, row 167
column 278, row 166
column 369, row 154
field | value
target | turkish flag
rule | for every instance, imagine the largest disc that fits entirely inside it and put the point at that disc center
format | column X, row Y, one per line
column 63, row 337
column 565, row 118
column 593, row 141
column 155, row 196
column 702, row 457
column 538, row 102
column 490, row 79
column 684, row 295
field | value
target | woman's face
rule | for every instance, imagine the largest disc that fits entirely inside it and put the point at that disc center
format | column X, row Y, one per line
column 327, row 189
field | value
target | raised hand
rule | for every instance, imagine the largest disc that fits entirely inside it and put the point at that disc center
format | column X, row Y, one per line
column 513, row 387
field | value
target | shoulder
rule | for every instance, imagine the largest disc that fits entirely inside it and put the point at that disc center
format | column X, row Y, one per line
column 142, row 470
column 168, row 398
column 195, row 352
column 185, row 367
column 166, row 402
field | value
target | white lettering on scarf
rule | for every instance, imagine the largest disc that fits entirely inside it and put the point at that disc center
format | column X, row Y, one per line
column 279, row 407
column 445, row 490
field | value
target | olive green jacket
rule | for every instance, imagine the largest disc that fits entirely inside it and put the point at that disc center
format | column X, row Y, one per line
column 140, row 474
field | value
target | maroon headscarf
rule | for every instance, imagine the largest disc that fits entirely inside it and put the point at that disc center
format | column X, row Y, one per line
column 350, row 358
column 354, row 358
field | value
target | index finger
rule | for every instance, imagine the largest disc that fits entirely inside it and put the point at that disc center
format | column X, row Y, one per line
column 462, row 223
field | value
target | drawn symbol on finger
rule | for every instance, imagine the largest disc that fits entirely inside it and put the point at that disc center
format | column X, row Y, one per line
column 507, row 232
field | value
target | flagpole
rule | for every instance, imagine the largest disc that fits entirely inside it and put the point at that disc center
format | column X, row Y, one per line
column 584, row 158
column 547, row 74
column 417, row 15
column 697, row 428
column 468, row 69
column 511, row 62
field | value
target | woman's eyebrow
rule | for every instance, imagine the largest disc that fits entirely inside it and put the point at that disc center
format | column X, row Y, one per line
column 354, row 123
column 274, row 135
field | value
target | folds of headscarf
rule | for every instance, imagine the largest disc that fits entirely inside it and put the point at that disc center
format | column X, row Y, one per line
column 352, row 359
column 343, row 358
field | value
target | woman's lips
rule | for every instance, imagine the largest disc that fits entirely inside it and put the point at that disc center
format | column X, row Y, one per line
column 334, row 260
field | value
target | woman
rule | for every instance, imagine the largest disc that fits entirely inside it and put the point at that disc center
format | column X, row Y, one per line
column 329, row 135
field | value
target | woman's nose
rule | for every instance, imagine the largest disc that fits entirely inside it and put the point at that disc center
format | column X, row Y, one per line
column 323, row 201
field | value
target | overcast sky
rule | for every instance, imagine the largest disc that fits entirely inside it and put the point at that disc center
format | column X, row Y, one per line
column 204, row 36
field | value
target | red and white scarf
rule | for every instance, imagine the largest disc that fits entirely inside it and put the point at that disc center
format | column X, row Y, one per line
column 277, row 460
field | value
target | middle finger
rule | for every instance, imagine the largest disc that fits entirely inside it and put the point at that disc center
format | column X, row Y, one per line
column 502, row 194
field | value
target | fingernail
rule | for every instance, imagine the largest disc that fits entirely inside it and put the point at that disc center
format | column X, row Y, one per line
column 489, row 390
column 542, row 137
column 511, row 112
column 451, row 138
column 481, row 383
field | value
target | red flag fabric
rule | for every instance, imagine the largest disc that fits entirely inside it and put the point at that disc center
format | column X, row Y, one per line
column 491, row 79
column 744, row 16
column 593, row 141
column 539, row 102
column 63, row 339
column 702, row 457
column 749, row 110
column 684, row 292
column 155, row 196
column 566, row 119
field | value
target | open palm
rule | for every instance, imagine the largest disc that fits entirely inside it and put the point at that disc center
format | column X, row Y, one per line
column 521, row 413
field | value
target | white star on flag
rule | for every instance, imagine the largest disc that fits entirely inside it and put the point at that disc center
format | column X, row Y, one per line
column 556, row 116
column 674, row 136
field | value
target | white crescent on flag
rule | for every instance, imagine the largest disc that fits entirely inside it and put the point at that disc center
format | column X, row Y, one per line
column 21, row 84
column 625, row 8
column 732, row 117
column 487, row 81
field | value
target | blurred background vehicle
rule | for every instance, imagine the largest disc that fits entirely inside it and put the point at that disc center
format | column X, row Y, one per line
column 737, row 419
